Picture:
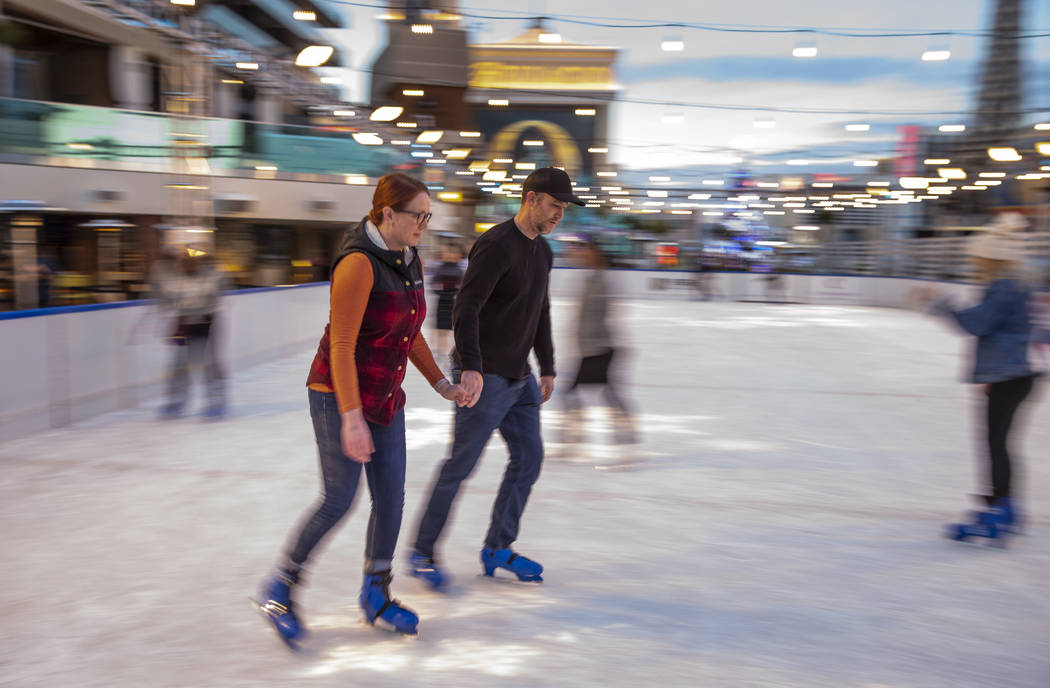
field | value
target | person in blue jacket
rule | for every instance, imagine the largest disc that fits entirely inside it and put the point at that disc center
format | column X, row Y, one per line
column 1002, row 325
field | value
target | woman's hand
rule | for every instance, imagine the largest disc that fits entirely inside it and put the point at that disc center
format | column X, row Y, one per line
column 452, row 392
column 356, row 437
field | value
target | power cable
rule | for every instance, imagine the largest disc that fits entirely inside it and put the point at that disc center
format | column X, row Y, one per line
column 727, row 28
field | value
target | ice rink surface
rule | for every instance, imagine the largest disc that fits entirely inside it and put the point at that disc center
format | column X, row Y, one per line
column 783, row 527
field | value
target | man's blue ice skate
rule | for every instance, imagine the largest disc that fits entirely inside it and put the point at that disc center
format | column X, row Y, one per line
column 377, row 604
column 279, row 609
column 524, row 568
column 426, row 569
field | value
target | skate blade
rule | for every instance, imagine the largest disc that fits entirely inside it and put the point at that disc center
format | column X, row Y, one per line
column 996, row 544
column 444, row 588
column 507, row 580
column 390, row 629
column 978, row 537
column 621, row 467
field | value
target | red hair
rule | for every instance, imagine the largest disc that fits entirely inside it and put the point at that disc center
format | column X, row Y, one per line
column 394, row 191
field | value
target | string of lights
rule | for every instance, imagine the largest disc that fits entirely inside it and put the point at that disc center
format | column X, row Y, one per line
column 691, row 187
column 850, row 112
column 829, row 154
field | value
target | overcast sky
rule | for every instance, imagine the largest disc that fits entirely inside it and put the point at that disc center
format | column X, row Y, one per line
column 757, row 70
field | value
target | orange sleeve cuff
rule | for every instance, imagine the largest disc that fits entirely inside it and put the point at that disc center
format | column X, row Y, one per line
column 351, row 285
column 423, row 360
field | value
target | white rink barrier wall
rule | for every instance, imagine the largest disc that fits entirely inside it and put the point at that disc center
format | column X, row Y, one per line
column 853, row 290
column 63, row 365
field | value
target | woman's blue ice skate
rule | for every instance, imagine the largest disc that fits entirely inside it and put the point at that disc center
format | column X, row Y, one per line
column 377, row 604
column 426, row 569
column 279, row 609
column 524, row 568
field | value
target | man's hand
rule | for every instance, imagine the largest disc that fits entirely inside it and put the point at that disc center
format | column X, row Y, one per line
column 356, row 437
column 471, row 381
column 547, row 386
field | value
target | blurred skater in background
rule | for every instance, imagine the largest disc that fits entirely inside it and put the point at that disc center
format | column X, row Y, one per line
column 190, row 288
column 598, row 348
column 446, row 282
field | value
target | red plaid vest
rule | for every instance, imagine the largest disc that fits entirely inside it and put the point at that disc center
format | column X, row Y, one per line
column 392, row 320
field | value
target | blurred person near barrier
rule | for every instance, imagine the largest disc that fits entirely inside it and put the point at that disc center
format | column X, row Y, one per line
column 356, row 401
column 445, row 282
column 162, row 269
column 46, row 268
column 597, row 349
column 190, row 290
column 702, row 278
column 502, row 312
column 1002, row 325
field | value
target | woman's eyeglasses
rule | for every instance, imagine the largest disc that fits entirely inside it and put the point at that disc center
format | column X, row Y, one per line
column 421, row 217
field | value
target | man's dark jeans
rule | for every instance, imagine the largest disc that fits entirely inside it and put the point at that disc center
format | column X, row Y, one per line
column 512, row 406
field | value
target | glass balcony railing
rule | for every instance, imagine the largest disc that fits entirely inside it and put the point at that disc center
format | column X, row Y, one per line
column 62, row 134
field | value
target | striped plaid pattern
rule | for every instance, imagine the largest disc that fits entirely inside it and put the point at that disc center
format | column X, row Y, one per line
column 392, row 321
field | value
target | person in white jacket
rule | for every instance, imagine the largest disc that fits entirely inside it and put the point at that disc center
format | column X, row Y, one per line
column 191, row 291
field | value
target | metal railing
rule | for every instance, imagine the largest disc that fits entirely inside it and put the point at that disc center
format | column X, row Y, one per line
column 940, row 258
column 934, row 258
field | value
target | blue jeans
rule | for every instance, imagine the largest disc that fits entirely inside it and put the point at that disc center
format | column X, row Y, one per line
column 385, row 474
column 513, row 406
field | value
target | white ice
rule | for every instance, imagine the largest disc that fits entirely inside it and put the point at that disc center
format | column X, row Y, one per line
column 783, row 528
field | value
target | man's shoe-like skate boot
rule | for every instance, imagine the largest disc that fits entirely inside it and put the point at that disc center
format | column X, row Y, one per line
column 524, row 568
column 427, row 570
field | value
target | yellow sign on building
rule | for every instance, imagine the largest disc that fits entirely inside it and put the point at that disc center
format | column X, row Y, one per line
column 529, row 61
column 490, row 74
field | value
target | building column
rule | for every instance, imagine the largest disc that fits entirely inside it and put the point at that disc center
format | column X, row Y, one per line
column 129, row 77
column 24, row 261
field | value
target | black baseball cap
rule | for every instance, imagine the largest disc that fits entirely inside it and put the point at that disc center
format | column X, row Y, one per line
column 553, row 181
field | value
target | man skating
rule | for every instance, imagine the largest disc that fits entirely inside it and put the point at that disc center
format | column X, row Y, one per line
column 501, row 313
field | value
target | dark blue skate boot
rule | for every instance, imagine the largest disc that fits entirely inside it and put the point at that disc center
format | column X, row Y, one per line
column 377, row 604
column 524, row 568
column 1004, row 514
column 426, row 569
column 277, row 605
column 989, row 525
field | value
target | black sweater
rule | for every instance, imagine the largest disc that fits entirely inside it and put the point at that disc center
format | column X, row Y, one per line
column 502, row 310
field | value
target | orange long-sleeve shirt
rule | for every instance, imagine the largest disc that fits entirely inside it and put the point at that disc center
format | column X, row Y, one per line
column 351, row 285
